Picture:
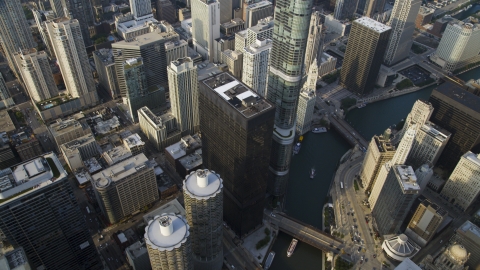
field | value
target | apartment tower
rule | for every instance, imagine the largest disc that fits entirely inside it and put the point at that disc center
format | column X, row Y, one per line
column 292, row 21
column 205, row 26
column 81, row 10
column 256, row 59
column 203, row 194
column 364, row 54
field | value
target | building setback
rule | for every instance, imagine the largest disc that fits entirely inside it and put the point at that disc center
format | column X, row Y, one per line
column 236, row 126
column 425, row 222
column 430, row 140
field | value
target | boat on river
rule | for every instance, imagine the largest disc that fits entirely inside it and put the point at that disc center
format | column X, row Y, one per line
column 361, row 105
column 269, row 260
column 319, row 130
column 292, row 247
column 312, row 173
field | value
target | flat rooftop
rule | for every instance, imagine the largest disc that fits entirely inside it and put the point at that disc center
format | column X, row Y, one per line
column 145, row 39
column 427, row 203
column 157, row 120
column 202, row 184
column 172, row 206
column 406, row 178
column 117, row 154
column 136, row 250
column 436, row 132
column 263, row 25
column 372, row 24
column 157, row 240
column 79, row 142
column 6, row 123
column 206, row 69
column 191, row 161
column 471, row 231
column 460, row 95
column 173, row 44
column 244, row 100
column 134, row 140
column 472, row 157
column 105, row 55
column 383, row 145
column 65, row 126
column 260, row 4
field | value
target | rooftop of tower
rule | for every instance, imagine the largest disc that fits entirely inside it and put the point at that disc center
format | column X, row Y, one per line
column 406, row 178
column 202, row 184
column 238, row 95
column 460, row 95
column 166, row 232
column 372, row 24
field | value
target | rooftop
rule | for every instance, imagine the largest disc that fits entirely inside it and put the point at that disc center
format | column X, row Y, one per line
column 117, row 154
column 383, row 145
column 105, row 55
column 133, row 140
column 232, row 54
column 435, row 131
column 92, row 165
column 6, row 123
column 460, row 95
column 179, row 149
column 191, row 161
column 407, row 264
column 172, row 206
column 206, row 69
column 427, row 203
column 82, row 176
column 157, row 120
column 399, row 247
column 136, row 250
column 263, row 24
column 203, row 184
column 472, row 157
column 471, row 231
column 65, row 126
column 16, row 260
column 425, row 11
column 120, row 171
column 79, row 142
column 244, row 100
column 146, row 39
column 106, row 126
column 372, row 24
column 167, row 232
column 406, row 178
column 133, row 62
column 232, row 23
column 260, row 4
column 173, row 44
column 259, row 46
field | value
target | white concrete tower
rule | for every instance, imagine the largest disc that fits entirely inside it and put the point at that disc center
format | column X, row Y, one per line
column 306, row 106
column 419, row 115
column 203, row 195
column 205, row 26
column 256, row 59
column 314, row 41
column 141, row 8
column 312, row 77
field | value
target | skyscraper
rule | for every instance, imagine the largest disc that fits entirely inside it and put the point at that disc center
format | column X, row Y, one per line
column 67, row 42
column 203, row 194
column 37, row 194
column 315, row 40
column 263, row 30
column 364, row 54
column 395, row 196
column 158, row 128
column 5, row 96
column 379, row 151
column 290, row 34
column 76, row 9
column 425, row 222
column 430, row 140
column 462, row 187
column 183, row 81
column 306, row 105
column 58, row 7
column 256, row 11
column 419, row 115
column 236, row 125
column 141, row 8
column 16, row 34
column 105, row 66
column 456, row 110
column 402, row 22
column 205, row 26
column 256, row 59
column 169, row 243
column 36, row 74
column 175, row 50
column 344, row 9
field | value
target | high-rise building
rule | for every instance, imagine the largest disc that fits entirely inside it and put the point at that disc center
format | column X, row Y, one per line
column 15, row 32
column 373, row 7
column 169, row 243
column 256, row 59
column 257, row 11
column 379, row 151
column 424, row 173
column 176, row 50
column 158, row 129
column 67, row 130
column 306, row 105
column 458, row 45
column 82, row 11
column 67, row 42
column 226, row 10
column 58, row 7
column 263, row 30
column 456, row 109
column 166, row 11
column 468, row 236
column 394, row 196
column 425, row 16
column 234, row 62
column 137, row 256
column 14, row 259
column 241, row 40
column 238, row 150
column 462, row 187
column 40, row 17
column 38, row 194
column 425, row 222
column 203, row 195
column 429, row 142
column 314, row 41
column 344, row 9
column 183, row 81
column 151, row 48
column 125, row 187
column 292, row 21
column 141, row 8
column 5, row 96
column 36, row 74
column 419, row 115
column 402, row 22
column 7, row 157
column 364, row 54
column 105, row 66
column 205, row 26
column 28, row 148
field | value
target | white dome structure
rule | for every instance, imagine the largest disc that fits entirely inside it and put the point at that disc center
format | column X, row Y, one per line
column 399, row 247
column 458, row 253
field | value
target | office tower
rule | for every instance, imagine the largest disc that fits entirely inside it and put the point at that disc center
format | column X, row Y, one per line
column 105, row 66
column 79, row 150
column 226, row 10
column 364, row 54
column 402, row 22
column 399, row 158
column 169, row 243
column 239, row 151
column 394, row 198
column 380, row 150
column 15, row 32
column 125, row 187
column 314, row 41
column 419, row 115
column 67, row 42
column 425, row 16
column 458, row 45
column 256, row 59
column 222, row 44
column 425, row 222
column 183, row 82
column 344, row 9
column 241, row 39
column 203, row 194
column 205, row 26
column 151, row 48
column 373, row 7
column 158, row 129
column 61, row 239
column 468, row 235
column 234, row 62
column 141, row 8
column 263, row 30
column 292, row 21
column 257, row 11
column 166, row 11
column 176, row 50
column 5, row 96
column 454, row 257
column 462, row 187
column 28, row 148
column 80, row 10
column 306, row 105
column 232, row 26
column 424, row 173
column 429, row 142
column 36, row 74
column 67, row 130
column 59, row 8
column 399, row 248
column 312, row 77
column 456, row 109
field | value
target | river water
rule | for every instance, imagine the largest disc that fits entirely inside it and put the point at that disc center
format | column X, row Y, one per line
column 305, row 197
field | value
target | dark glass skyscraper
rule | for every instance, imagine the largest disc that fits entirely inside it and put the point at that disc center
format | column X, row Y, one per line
column 290, row 33
column 236, row 126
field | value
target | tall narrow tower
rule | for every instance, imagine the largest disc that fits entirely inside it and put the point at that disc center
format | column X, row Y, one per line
column 203, row 194
column 205, row 26
column 315, row 40
column 402, row 22
column 292, row 20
